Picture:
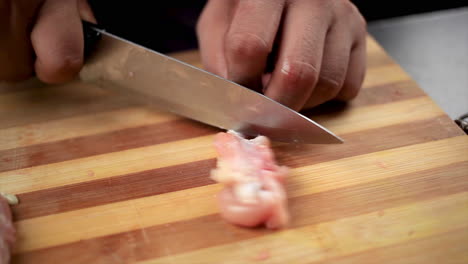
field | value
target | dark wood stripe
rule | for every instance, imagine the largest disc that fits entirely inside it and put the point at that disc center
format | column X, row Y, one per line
column 433, row 249
column 80, row 147
column 92, row 193
column 390, row 92
column 109, row 190
column 368, row 141
column 380, row 94
column 119, row 140
column 161, row 240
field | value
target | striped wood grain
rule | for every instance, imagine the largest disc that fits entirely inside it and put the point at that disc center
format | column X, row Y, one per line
column 105, row 180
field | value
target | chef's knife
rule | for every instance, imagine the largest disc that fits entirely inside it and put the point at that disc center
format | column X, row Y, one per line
column 191, row 92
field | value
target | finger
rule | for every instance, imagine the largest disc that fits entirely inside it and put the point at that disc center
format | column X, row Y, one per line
column 356, row 69
column 211, row 28
column 334, row 65
column 300, row 53
column 57, row 39
column 85, row 11
column 250, row 39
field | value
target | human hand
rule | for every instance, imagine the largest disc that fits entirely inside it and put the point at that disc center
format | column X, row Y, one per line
column 7, row 231
column 317, row 47
column 44, row 37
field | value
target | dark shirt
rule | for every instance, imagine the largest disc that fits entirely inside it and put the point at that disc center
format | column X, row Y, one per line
column 169, row 25
column 164, row 26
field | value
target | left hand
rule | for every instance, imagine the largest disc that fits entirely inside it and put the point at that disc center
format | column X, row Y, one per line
column 42, row 38
column 321, row 48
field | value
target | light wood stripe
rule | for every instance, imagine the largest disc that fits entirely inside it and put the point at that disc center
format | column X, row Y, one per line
column 87, row 223
column 343, row 236
column 384, row 74
column 378, row 59
column 80, row 126
column 44, row 95
column 30, row 106
column 373, row 46
column 145, row 158
column 357, row 119
column 448, row 248
column 189, row 175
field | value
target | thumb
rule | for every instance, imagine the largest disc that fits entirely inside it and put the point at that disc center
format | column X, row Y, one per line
column 57, row 39
column 85, row 11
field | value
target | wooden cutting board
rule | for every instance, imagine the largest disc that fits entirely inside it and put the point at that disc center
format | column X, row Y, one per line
column 104, row 180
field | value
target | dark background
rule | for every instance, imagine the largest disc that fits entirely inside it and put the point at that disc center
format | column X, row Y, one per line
column 168, row 26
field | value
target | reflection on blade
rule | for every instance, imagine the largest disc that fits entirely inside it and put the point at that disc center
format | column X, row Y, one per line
column 194, row 93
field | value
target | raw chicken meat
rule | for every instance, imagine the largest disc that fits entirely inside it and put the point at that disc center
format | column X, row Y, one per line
column 254, row 193
column 7, row 231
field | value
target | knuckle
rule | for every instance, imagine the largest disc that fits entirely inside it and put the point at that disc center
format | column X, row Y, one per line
column 68, row 63
column 349, row 92
column 200, row 24
column 361, row 18
column 58, row 69
column 326, row 7
column 245, row 5
column 347, row 5
column 347, row 9
column 246, row 46
column 329, row 87
column 324, row 3
column 362, row 24
column 358, row 20
column 298, row 74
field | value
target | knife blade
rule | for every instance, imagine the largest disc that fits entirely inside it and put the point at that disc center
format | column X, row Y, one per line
column 177, row 87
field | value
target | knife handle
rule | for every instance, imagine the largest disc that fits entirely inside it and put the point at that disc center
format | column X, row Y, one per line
column 91, row 35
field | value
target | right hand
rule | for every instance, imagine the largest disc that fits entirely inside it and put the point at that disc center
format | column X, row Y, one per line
column 301, row 52
column 42, row 37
